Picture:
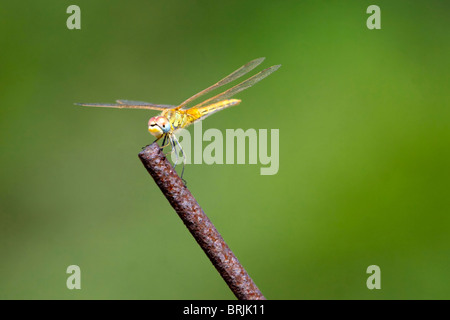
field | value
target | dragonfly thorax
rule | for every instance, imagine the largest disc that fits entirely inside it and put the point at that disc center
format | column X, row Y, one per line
column 179, row 118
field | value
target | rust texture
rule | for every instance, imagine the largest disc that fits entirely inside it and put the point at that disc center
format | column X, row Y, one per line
column 199, row 224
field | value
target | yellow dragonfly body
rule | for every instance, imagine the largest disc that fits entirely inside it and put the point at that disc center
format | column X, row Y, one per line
column 173, row 117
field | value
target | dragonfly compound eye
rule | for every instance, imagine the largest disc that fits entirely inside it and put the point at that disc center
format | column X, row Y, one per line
column 154, row 127
column 163, row 123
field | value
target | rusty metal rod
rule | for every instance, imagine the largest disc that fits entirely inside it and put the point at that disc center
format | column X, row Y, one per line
column 199, row 224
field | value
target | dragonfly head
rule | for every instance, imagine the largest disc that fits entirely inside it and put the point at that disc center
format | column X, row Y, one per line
column 158, row 126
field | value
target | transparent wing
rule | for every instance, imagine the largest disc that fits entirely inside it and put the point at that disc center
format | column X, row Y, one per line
column 239, row 87
column 231, row 77
column 129, row 104
column 143, row 103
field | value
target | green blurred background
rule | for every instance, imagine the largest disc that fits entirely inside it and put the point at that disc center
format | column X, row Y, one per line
column 364, row 149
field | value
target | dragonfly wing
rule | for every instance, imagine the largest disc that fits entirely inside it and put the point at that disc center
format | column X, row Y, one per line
column 231, row 77
column 133, row 102
column 239, row 87
column 143, row 103
column 128, row 104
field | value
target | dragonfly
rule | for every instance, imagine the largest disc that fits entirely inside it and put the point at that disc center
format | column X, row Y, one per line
column 173, row 118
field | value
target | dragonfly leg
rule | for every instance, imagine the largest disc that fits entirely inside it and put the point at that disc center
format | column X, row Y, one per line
column 174, row 149
column 164, row 144
column 183, row 159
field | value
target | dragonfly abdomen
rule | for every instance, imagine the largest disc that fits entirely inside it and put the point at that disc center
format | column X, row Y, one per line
column 208, row 110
